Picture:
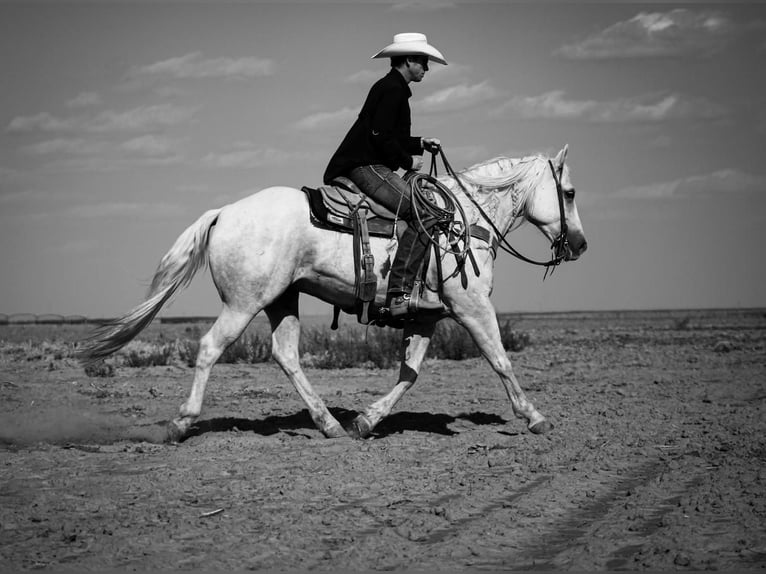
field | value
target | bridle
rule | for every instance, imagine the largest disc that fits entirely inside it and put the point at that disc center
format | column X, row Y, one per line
column 560, row 243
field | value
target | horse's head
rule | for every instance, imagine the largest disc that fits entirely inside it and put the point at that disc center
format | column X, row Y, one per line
column 552, row 208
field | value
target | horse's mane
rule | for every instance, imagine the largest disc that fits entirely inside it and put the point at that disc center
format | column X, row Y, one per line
column 503, row 172
column 521, row 175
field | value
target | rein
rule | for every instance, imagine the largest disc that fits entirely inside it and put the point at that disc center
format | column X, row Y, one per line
column 423, row 188
column 559, row 244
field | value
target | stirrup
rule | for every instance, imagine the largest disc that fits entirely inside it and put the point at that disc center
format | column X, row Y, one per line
column 407, row 304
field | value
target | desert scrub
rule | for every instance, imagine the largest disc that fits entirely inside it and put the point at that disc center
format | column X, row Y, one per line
column 139, row 354
column 380, row 348
column 99, row 369
column 513, row 340
column 451, row 341
column 249, row 348
column 354, row 346
column 36, row 350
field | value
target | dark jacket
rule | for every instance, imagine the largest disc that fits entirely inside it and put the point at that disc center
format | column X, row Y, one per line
column 381, row 133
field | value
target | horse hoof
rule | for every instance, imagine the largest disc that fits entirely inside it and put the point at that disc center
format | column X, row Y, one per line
column 335, row 431
column 541, row 427
column 174, row 433
column 361, row 427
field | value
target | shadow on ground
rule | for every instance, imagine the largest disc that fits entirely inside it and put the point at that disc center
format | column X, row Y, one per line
column 434, row 423
column 74, row 426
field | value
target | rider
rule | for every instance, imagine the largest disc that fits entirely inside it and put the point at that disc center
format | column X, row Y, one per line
column 378, row 144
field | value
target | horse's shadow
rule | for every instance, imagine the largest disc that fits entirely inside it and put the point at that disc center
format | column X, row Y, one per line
column 397, row 423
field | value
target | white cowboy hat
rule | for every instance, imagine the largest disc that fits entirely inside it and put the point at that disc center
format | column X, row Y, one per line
column 411, row 44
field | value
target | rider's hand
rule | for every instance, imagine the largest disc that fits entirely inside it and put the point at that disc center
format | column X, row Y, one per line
column 417, row 162
column 432, row 144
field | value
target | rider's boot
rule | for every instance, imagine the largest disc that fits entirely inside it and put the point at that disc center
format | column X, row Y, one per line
column 404, row 304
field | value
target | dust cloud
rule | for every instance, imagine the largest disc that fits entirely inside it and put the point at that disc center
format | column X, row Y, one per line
column 67, row 425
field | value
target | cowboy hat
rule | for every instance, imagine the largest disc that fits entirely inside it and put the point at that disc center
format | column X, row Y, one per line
column 412, row 44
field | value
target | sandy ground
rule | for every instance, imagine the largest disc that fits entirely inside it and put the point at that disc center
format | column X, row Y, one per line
column 657, row 460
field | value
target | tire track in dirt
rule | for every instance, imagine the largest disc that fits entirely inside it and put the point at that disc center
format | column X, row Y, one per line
column 456, row 527
column 603, row 512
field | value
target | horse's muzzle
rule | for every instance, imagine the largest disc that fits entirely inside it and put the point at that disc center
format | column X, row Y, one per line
column 575, row 247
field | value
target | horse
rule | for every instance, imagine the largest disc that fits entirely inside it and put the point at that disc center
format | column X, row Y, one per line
column 263, row 251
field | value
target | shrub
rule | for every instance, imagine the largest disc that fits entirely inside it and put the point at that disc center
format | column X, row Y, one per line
column 152, row 356
column 249, row 348
column 451, row 341
column 187, row 351
column 354, row 347
column 99, row 369
column 513, row 340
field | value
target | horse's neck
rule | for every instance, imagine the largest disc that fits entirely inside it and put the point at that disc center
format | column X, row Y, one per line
column 502, row 187
column 500, row 205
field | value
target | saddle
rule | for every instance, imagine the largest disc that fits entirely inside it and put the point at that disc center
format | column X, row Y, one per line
column 336, row 206
column 344, row 208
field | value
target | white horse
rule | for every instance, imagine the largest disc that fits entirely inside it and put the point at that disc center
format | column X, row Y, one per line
column 263, row 251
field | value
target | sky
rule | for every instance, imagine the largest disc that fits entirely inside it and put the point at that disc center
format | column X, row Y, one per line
column 122, row 122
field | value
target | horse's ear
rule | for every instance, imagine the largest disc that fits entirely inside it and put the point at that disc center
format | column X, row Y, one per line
column 562, row 156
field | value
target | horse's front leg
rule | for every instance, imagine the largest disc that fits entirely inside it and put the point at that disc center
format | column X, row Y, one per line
column 475, row 312
column 415, row 342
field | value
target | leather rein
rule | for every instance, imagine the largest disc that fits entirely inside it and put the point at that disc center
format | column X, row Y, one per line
column 558, row 246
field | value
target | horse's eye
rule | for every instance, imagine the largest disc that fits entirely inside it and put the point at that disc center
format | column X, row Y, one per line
column 569, row 193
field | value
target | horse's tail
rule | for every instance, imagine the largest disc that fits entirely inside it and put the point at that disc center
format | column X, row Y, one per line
column 176, row 270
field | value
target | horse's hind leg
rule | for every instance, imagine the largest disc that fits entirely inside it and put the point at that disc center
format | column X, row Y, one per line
column 227, row 328
column 285, row 335
column 415, row 341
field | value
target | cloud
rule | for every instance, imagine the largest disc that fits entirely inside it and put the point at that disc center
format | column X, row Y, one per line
column 646, row 108
column 49, row 204
column 9, row 177
column 43, row 121
column 364, row 77
column 679, row 32
column 760, row 123
column 84, row 100
column 422, row 5
column 723, row 181
column 437, row 74
column 248, row 155
column 458, row 97
column 123, row 209
column 195, row 66
column 66, row 146
column 108, row 163
column 97, row 155
column 141, row 118
column 135, row 119
column 468, row 154
column 32, row 196
column 76, row 247
column 440, row 74
column 151, row 146
column 327, row 120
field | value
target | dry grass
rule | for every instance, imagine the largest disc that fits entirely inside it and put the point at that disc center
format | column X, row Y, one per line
column 177, row 344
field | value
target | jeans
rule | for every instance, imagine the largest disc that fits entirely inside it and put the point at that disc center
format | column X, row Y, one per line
column 391, row 191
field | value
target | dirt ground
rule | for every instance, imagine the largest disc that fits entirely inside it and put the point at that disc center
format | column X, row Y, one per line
column 657, row 460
